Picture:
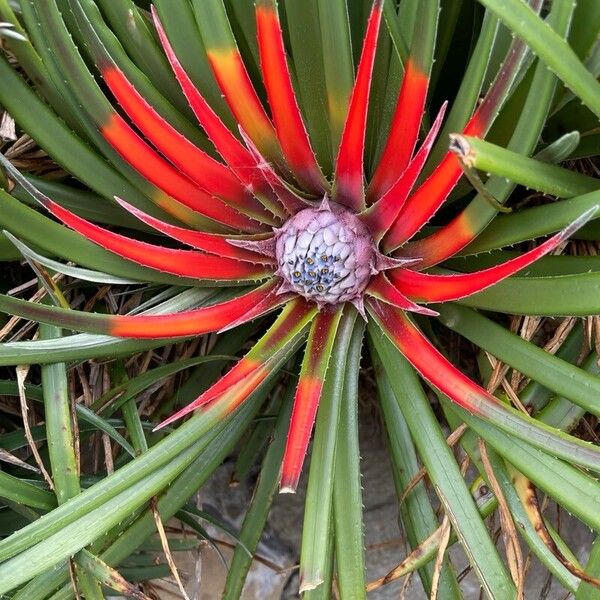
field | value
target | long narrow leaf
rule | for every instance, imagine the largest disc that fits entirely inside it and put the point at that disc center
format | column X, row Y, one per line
column 443, row 471
column 308, row 394
column 550, row 47
column 470, row 396
column 314, row 557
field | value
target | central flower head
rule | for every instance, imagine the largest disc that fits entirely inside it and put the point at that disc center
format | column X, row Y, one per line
column 325, row 254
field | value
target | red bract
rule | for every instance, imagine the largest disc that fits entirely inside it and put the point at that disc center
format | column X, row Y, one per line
column 266, row 179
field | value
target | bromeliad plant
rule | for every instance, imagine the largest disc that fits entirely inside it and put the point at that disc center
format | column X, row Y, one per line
column 306, row 191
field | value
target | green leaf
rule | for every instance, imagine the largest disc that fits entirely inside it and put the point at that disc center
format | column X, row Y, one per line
column 408, row 12
column 555, row 264
column 257, row 440
column 176, row 495
column 83, row 346
column 10, row 388
column 77, row 273
column 587, row 591
column 394, row 27
column 111, row 401
column 303, row 28
column 182, row 31
column 452, row 15
column 189, row 509
column 470, row 88
column 561, row 412
column 84, row 203
column 417, row 515
column 385, row 84
column 27, row 494
column 347, row 488
column 470, row 442
column 563, row 295
column 134, row 33
column 89, row 525
column 93, row 419
column 442, row 469
column 55, row 548
column 558, row 375
column 501, row 415
column 323, row 591
column 91, row 566
column 584, row 31
column 532, row 222
column 526, row 171
column 33, row 227
column 30, row 61
column 71, row 152
column 91, row 25
column 135, row 427
column 179, row 492
column 262, row 499
column 88, row 101
column 163, row 458
column 525, row 132
column 552, row 48
column 588, row 147
column 560, row 149
column 569, row 486
column 242, row 16
column 73, row 348
column 337, row 64
column 319, row 496
column 59, row 432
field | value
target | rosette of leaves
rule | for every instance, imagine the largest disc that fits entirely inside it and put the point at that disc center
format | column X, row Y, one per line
column 295, row 156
